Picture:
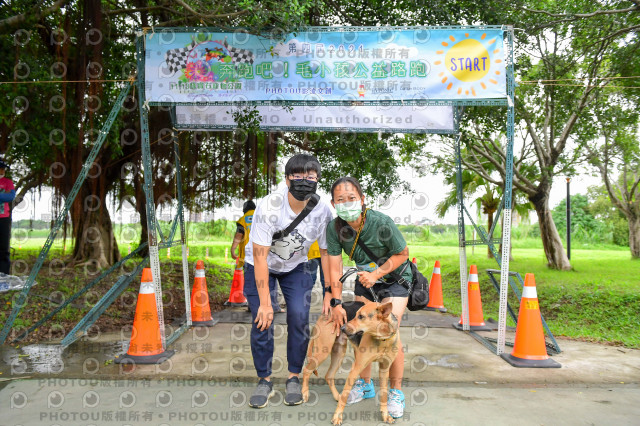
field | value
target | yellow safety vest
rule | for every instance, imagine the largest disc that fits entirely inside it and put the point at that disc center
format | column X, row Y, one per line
column 245, row 221
column 314, row 251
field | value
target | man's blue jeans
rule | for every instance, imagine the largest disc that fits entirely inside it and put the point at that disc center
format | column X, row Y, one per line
column 296, row 286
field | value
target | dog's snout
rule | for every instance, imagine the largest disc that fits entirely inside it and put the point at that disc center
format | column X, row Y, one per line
column 343, row 329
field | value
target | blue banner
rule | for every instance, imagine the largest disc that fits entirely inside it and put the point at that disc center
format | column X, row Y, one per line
column 325, row 65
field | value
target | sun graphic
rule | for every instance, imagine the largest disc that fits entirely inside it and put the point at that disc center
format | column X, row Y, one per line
column 467, row 64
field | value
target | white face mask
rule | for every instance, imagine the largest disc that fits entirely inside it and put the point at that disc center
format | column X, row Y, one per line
column 349, row 211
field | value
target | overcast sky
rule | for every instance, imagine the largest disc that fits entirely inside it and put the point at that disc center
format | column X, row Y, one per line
column 404, row 209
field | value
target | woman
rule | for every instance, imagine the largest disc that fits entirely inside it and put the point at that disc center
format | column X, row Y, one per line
column 380, row 235
column 7, row 195
column 284, row 259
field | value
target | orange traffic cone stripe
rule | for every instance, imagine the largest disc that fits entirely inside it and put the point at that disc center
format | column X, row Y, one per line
column 529, row 349
column 145, row 346
column 476, row 316
column 435, row 290
column 236, row 296
column 529, row 342
column 200, row 308
column 145, row 336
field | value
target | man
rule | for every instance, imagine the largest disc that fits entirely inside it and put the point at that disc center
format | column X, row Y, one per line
column 285, row 259
column 7, row 195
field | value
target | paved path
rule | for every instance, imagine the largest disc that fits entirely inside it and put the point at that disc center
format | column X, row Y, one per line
column 450, row 379
column 193, row 402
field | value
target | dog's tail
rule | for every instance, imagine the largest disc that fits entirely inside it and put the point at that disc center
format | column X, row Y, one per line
column 310, row 347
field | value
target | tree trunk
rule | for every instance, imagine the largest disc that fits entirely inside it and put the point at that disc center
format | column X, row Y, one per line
column 93, row 234
column 510, row 242
column 141, row 207
column 553, row 249
column 489, row 225
column 634, row 236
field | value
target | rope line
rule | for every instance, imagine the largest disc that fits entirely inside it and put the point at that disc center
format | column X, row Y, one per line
column 65, row 81
column 133, row 78
column 579, row 85
column 578, row 79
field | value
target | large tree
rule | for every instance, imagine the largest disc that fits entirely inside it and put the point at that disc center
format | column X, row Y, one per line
column 562, row 67
column 615, row 154
column 88, row 47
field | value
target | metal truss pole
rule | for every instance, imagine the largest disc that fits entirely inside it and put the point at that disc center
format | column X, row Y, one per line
column 80, row 292
column 154, row 257
column 508, row 185
column 103, row 304
column 183, row 239
column 461, row 240
column 62, row 216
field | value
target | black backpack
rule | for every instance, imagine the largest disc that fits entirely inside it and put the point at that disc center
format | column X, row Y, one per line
column 418, row 288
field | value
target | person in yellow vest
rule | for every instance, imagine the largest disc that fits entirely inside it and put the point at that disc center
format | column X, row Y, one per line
column 243, row 227
column 314, row 263
column 240, row 239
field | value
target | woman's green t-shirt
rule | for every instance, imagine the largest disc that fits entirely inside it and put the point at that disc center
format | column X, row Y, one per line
column 380, row 234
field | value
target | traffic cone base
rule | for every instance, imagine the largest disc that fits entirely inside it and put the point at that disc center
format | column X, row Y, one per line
column 145, row 359
column 474, row 327
column 200, row 308
column 530, row 363
column 208, row 323
column 145, row 346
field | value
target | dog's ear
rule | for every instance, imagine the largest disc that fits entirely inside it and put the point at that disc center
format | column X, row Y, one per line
column 385, row 309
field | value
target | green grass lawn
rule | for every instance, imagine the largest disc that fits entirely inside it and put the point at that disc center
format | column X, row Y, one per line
column 599, row 300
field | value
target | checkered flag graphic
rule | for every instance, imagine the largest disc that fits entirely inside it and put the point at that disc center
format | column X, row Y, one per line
column 177, row 58
column 239, row 56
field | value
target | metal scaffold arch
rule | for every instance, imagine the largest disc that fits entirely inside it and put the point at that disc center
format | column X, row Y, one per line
column 384, row 79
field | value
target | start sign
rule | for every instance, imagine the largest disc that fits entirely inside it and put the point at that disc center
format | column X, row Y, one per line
column 326, row 66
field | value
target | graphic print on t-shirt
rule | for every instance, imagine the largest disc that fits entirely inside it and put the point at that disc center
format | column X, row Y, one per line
column 286, row 247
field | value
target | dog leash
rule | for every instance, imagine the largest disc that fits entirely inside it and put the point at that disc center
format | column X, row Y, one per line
column 350, row 272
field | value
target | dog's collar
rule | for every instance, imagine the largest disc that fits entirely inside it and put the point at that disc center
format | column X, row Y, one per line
column 390, row 336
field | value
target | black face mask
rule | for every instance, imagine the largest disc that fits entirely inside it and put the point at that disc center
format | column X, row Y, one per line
column 301, row 189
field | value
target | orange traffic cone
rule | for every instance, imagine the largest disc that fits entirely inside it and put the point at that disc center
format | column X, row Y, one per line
column 529, row 349
column 145, row 346
column 200, row 309
column 236, row 298
column 476, row 316
column 435, row 291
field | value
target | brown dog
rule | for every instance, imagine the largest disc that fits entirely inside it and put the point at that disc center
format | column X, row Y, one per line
column 373, row 331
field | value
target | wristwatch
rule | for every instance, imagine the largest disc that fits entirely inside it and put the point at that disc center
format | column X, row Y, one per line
column 335, row 302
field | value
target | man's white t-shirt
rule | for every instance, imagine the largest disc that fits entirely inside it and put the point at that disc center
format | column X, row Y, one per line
column 274, row 214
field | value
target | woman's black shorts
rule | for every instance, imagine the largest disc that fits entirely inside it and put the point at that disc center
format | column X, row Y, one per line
column 382, row 290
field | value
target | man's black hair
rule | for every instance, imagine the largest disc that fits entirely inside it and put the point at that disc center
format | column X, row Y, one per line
column 302, row 163
column 248, row 205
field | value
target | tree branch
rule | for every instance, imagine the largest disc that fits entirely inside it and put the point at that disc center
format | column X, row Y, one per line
column 212, row 15
column 26, row 184
column 337, row 9
column 576, row 16
column 604, row 172
column 35, row 14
